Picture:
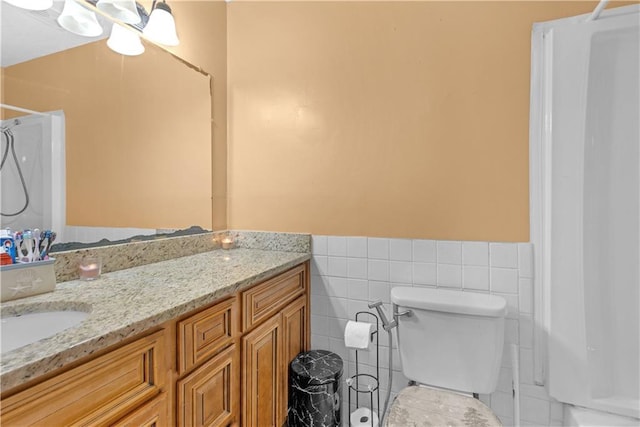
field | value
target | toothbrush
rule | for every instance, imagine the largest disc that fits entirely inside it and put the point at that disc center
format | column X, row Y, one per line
column 36, row 245
column 17, row 239
column 49, row 236
column 27, row 243
column 43, row 239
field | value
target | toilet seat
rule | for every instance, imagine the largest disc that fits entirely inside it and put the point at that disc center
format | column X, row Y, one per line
column 420, row 407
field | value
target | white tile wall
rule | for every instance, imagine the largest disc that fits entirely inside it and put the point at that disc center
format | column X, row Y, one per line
column 400, row 249
column 449, row 275
column 357, row 268
column 378, row 269
column 400, row 272
column 449, row 252
column 378, row 248
column 424, row 251
column 357, row 247
column 349, row 272
column 475, row 253
column 319, row 245
column 502, row 279
column 503, row 255
column 424, row 273
column 337, row 246
column 475, row 277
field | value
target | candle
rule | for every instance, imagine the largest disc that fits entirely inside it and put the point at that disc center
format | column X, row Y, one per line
column 227, row 243
column 89, row 268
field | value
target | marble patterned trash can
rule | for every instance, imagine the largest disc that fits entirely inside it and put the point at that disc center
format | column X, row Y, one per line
column 315, row 389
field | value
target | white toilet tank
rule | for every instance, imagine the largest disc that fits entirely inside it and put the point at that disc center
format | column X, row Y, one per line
column 453, row 339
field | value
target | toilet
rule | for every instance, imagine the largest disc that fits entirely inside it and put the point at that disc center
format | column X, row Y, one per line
column 450, row 343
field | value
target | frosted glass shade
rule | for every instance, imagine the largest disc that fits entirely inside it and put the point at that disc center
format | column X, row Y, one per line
column 79, row 20
column 124, row 41
column 161, row 27
column 123, row 10
column 32, row 4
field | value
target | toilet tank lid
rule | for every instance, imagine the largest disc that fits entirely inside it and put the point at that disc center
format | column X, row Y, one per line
column 450, row 301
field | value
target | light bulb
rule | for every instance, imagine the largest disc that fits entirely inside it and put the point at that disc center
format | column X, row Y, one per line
column 79, row 20
column 124, row 41
column 161, row 27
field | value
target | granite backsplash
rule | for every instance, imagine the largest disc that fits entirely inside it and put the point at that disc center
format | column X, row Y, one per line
column 133, row 254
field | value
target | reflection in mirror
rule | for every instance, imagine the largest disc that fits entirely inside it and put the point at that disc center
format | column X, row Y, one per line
column 107, row 145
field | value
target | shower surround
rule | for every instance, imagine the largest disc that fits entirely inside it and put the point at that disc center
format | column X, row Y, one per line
column 585, row 188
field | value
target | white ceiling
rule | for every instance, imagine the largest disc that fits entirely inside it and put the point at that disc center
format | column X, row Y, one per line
column 26, row 34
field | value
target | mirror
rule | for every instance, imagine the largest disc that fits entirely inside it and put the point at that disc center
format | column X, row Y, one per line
column 136, row 157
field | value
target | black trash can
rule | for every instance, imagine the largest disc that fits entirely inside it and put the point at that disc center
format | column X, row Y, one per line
column 315, row 389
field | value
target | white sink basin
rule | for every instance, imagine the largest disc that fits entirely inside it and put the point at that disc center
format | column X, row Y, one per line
column 18, row 331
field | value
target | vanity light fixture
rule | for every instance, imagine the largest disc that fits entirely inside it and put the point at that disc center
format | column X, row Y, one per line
column 161, row 27
column 123, row 10
column 32, row 4
column 79, row 20
column 125, row 41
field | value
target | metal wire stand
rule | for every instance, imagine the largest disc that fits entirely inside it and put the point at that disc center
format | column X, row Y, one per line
column 366, row 383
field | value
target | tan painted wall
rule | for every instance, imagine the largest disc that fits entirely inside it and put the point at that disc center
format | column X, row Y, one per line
column 369, row 118
column 138, row 150
column 403, row 119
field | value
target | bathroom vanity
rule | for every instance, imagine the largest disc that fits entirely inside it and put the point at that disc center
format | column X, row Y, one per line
column 200, row 340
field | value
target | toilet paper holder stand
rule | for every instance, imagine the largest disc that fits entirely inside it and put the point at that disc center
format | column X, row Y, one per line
column 362, row 383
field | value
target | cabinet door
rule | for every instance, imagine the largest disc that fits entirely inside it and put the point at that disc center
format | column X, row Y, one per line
column 153, row 414
column 210, row 395
column 262, row 369
column 295, row 334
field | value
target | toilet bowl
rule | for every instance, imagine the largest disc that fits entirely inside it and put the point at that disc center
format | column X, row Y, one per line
column 451, row 342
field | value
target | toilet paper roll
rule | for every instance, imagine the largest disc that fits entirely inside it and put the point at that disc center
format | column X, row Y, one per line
column 363, row 417
column 357, row 335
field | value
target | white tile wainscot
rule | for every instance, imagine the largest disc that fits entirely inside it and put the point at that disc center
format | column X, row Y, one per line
column 348, row 272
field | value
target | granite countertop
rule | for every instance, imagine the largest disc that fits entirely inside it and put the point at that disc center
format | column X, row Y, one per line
column 125, row 303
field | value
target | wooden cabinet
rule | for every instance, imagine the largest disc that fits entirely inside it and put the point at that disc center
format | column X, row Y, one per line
column 210, row 396
column 275, row 325
column 223, row 365
column 98, row 392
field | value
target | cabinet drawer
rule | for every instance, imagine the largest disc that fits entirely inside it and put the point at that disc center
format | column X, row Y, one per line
column 205, row 333
column 95, row 393
column 152, row 414
column 210, row 395
column 266, row 299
